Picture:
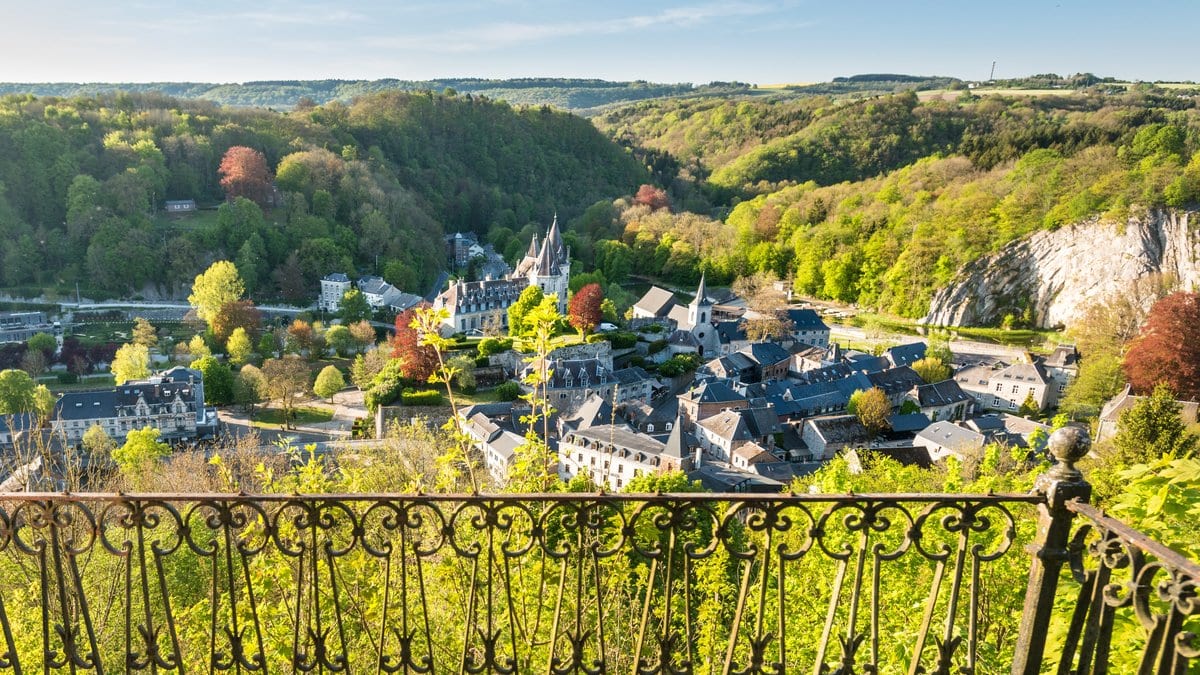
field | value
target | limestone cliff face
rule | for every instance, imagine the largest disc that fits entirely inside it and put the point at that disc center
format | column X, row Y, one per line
column 1058, row 272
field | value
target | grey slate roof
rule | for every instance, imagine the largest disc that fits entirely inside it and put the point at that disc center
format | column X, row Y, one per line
column 806, row 319
column 337, row 277
column 656, row 301
column 728, row 425
column 946, row 392
column 716, row 478
column 913, row 422
column 765, row 353
column 951, row 436
column 905, row 355
column 896, row 380
column 713, row 392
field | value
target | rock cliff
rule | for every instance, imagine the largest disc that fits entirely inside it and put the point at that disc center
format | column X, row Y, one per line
column 1058, row 272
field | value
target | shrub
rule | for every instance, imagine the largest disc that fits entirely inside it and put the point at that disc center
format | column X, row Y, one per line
column 67, row 378
column 508, row 391
column 621, row 340
column 656, row 347
column 428, row 397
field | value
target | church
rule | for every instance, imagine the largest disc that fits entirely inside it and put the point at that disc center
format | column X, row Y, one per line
column 476, row 305
column 693, row 321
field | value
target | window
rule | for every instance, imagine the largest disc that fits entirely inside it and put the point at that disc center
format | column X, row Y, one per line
column 1014, row 389
column 999, row 386
column 1062, row 388
column 1012, row 404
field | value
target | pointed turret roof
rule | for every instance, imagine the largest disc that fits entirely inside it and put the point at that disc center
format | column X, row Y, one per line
column 533, row 247
column 676, row 448
column 547, row 262
column 702, row 293
column 554, row 240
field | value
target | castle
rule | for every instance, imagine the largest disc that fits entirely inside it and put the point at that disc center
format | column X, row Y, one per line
column 476, row 305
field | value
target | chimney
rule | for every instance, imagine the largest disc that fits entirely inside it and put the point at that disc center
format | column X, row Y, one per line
column 699, row 452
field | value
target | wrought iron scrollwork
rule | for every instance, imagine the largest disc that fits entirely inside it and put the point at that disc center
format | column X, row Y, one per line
column 1123, row 574
column 563, row 583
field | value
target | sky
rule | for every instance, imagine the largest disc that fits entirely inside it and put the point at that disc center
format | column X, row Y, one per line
column 698, row 41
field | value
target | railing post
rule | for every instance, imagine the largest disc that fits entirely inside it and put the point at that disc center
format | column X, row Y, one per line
column 1062, row 483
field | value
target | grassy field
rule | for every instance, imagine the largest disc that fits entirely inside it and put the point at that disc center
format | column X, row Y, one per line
column 1034, row 339
column 271, row 418
column 103, row 381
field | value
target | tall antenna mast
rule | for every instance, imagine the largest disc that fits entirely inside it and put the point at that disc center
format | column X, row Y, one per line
column 992, row 76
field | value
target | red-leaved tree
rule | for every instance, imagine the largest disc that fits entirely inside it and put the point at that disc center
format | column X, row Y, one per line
column 653, row 197
column 584, row 312
column 1168, row 348
column 234, row 315
column 418, row 361
column 244, row 173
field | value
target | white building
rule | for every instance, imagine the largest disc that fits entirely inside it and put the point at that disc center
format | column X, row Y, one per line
column 172, row 402
column 612, row 455
column 473, row 305
column 333, row 287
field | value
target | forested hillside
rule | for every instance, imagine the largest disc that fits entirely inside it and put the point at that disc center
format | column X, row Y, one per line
column 881, row 201
column 367, row 186
column 565, row 93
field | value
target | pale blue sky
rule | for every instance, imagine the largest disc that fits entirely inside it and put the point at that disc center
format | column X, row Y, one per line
column 687, row 41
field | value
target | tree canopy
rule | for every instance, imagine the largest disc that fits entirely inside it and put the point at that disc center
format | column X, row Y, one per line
column 1167, row 350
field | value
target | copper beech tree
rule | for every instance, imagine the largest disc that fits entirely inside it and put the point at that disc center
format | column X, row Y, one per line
column 584, row 310
column 244, row 173
column 1167, row 350
column 418, row 361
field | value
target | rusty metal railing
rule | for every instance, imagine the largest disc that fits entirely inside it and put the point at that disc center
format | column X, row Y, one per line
column 583, row 583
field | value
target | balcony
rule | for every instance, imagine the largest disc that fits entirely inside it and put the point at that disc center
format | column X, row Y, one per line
column 573, row 583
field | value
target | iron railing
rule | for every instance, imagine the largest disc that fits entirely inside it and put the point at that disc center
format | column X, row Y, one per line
column 570, row 583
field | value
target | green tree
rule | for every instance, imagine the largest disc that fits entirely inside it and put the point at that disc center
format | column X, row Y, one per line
column 218, row 380
column 329, row 382
column 198, row 348
column 1029, row 407
column 16, row 392
column 218, row 285
column 144, row 333
column 42, row 342
column 97, row 441
column 339, row 339
column 872, row 408
column 1100, row 378
column 931, row 369
column 249, row 386
column 1152, row 428
column 239, row 347
column 140, row 453
column 530, row 298
column 354, row 307
column 287, row 380
column 132, row 362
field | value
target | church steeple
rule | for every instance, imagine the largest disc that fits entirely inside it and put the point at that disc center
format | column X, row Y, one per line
column 700, row 309
column 701, row 292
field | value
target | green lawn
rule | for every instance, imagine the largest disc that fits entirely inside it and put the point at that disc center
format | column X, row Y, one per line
column 269, row 418
column 193, row 221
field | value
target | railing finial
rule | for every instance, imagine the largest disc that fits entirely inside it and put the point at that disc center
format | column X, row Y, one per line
column 1068, row 445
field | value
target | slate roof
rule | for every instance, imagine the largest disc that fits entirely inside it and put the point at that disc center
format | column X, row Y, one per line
column 621, row 437
column 867, row 363
column 946, row 392
column 765, row 353
column 632, row 375
column 731, row 331
column 806, row 319
column 594, row 411
column 896, row 380
column 717, row 478
column 951, row 436
column 1022, row 372
column 728, row 425
column 657, row 301
column 913, row 422
column 713, row 392
column 337, row 277
column 90, row 405
column 753, row 453
column 683, row 338
column 1063, row 356
column 905, row 355
column 762, row 420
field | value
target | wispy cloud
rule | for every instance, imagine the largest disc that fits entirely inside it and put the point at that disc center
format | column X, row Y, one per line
column 507, row 34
